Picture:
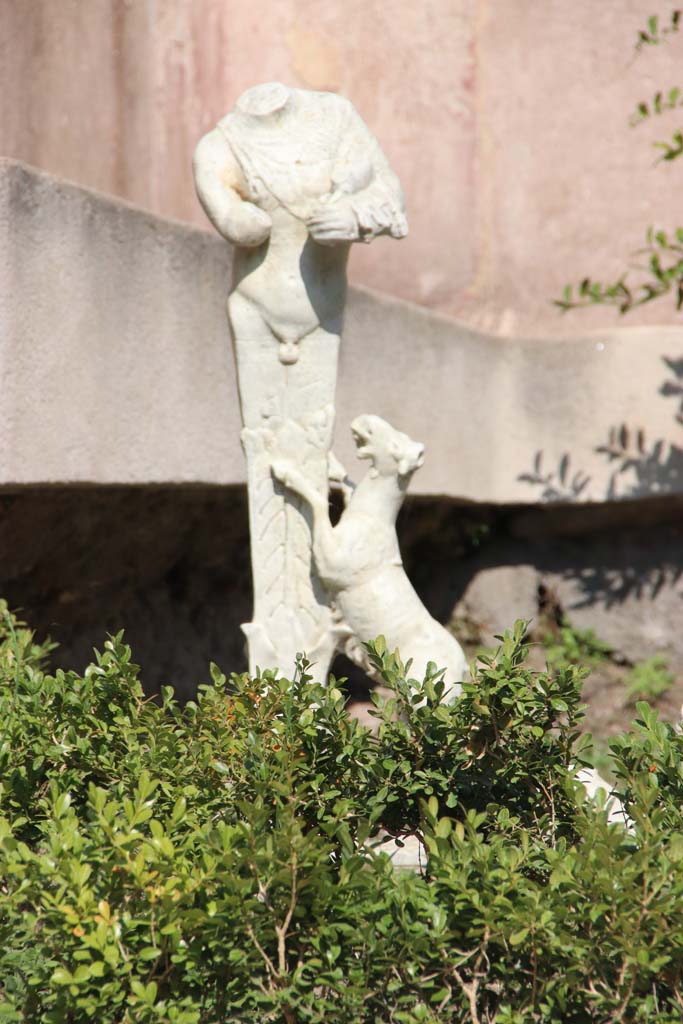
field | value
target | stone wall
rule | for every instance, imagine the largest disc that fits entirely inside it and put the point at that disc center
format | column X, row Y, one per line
column 553, row 483
column 117, row 369
column 507, row 123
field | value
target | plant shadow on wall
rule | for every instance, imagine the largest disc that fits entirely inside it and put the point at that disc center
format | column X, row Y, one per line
column 638, row 468
column 656, row 467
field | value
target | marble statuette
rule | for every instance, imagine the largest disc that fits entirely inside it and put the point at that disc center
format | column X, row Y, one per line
column 292, row 178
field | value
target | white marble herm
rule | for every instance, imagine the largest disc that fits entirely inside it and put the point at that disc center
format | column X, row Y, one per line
column 292, row 178
column 359, row 561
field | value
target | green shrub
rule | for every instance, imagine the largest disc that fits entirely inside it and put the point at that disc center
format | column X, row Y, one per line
column 649, row 679
column 215, row 863
column 572, row 646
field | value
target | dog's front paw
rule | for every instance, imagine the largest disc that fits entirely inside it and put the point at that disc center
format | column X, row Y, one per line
column 280, row 470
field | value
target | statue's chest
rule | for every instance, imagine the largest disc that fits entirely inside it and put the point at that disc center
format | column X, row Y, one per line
column 290, row 185
column 287, row 169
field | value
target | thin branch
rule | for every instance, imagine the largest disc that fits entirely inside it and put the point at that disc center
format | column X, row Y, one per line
column 268, row 962
column 470, row 989
column 281, row 931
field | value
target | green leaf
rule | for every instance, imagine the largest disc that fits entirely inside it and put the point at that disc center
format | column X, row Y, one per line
column 518, row 937
column 443, row 828
column 62, row 977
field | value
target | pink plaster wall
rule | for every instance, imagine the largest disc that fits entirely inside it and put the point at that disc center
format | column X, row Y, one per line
column 564, row 187
column 506, row 121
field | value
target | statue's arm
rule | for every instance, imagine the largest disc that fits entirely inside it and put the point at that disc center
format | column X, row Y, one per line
column 366, row 198
column 379, row 206
column 217, row 177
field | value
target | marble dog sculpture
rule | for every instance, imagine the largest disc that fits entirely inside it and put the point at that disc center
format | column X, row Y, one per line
column 359, row 561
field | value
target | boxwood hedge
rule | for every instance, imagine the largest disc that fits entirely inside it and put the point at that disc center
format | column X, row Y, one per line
column 219, row 862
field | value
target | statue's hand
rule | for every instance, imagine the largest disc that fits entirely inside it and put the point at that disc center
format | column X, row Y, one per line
column 334, row 223
column 248, row 226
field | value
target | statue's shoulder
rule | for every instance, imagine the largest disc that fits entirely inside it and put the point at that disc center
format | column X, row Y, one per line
column 223, row 126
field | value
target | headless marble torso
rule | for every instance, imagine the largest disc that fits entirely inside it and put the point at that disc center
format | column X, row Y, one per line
column 293, row 284
column 297, row 155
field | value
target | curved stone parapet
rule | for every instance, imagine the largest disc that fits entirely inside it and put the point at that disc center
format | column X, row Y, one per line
column 115, row 368
column 588, row 418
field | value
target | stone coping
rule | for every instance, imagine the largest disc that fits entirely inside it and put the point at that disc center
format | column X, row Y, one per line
column 116, row 368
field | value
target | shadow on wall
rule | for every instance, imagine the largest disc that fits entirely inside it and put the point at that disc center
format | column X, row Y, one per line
column 169, row 566
column 611, row 586
column 655, row 468
column 638, row 468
